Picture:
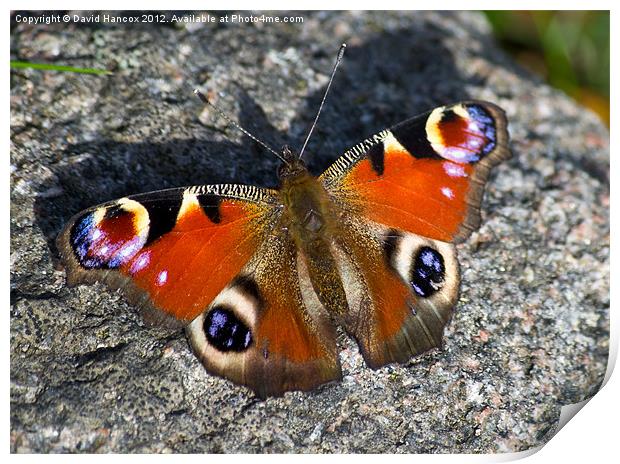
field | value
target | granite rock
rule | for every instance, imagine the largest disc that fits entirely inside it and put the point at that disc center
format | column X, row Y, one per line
column 529, row 334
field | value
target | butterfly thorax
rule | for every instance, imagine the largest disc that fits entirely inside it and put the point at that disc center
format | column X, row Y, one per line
column 309, row 219
column 306, row 206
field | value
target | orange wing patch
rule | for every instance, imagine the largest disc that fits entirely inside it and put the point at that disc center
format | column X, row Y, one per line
column 185, row 269
column 423, row 196
column 285, row 331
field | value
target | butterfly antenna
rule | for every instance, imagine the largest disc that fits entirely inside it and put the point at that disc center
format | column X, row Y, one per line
column 329, row 84
column 206, row 101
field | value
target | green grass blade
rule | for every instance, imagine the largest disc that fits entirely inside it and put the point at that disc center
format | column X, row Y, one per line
column 55, row 67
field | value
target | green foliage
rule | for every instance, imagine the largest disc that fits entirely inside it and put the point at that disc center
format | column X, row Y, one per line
column 571, row 49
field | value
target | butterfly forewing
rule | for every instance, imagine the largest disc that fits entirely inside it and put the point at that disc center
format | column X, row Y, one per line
column 425, row 175
column 171, row 251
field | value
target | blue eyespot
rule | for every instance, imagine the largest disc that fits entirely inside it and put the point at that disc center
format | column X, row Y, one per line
column 428, row 272
column 225, row 331
column 486, row 126
column 81, row 240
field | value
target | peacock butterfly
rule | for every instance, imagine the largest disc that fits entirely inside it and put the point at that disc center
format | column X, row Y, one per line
column 259, row 277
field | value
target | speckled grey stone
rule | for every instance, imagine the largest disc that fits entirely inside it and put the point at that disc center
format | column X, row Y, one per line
column 530, row 332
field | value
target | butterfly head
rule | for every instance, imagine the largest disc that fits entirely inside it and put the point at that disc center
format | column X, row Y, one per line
column 292, row 166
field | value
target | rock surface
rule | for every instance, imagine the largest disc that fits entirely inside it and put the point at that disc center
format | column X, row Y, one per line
column 529, row 334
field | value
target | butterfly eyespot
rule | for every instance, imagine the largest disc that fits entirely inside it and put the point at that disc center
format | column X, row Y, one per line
column 225, row 331
column 81, row 238
column 485, row 124
column 462, row 133
column 428, row 272
column 109, row 237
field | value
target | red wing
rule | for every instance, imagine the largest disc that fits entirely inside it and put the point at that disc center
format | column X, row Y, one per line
column 426, row 175
column 217, row 260
column 172, row 251
column 401, row 196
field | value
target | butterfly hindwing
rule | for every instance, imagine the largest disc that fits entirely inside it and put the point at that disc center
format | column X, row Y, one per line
column 401, row 289
column 267, row 329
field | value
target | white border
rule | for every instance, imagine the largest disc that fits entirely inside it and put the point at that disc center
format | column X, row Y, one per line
column 591, row 437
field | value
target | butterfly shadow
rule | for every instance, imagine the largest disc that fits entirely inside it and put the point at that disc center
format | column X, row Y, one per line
column 104, row 169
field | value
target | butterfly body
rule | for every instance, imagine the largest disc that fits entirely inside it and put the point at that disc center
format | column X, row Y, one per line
column 310, row 219
column 260, row 277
